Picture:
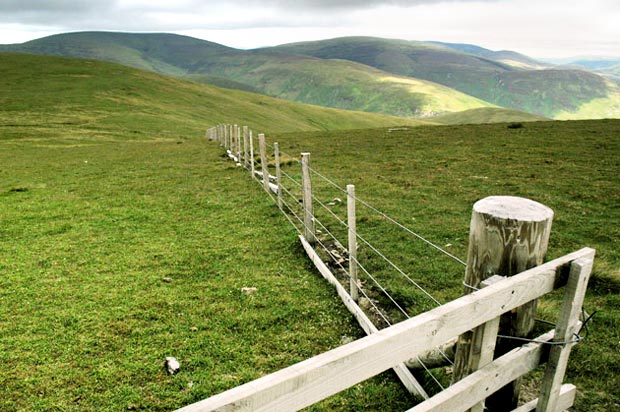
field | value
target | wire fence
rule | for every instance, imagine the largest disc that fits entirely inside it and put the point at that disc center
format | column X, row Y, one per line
column 393, row 278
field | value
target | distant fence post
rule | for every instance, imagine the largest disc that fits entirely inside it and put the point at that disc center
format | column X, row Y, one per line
column 231, row 135
column 245, row 147
column 238, row 144
column 235, row 141
column 276, row 154
column 252, row 155
column 507, row 236
column 309, row 225
column 352, row 242
column 263, row 160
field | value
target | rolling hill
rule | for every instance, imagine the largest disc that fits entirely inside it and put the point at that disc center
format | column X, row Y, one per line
column 48, row 92
column 397, row 77
column 332, row 83
column 502, row 78
column 486, row 116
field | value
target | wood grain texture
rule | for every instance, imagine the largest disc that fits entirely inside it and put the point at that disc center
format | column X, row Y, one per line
column 566, row 328
column 507, row 236
column 352, row 242
column 312, row 380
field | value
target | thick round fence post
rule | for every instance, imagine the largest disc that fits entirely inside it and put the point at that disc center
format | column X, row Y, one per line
column 507, row 236
column 306, row 186
column 276, row 155
column 263, row 160
column 352, row 242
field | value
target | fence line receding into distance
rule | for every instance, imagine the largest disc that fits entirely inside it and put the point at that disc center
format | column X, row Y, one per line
column 416, row 340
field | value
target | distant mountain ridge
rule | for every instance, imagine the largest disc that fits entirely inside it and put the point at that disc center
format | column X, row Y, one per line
column 403, row 78
column 473, row 70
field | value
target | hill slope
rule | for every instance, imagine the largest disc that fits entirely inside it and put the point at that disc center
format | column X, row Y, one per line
column 486, row 116
column 404, row 78
column 496, row 77
column 48, row 92
column 332, row 83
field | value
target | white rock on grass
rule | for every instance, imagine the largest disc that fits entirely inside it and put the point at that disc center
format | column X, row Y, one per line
column 172, row 365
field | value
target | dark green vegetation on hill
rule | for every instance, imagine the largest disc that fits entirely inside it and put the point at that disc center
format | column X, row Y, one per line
column 502, row 78
column 339, row 84
column 51, row 92
column 404, row 78
column 487, row 115
column 125, row 237
column 107, row 187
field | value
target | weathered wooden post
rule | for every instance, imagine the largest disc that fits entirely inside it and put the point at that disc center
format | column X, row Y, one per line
column 245, row 147
column 276, row 155
column 252, row 155
column 507, row 236
column 238, row 144
column 352, row 242
column 263, row 161
column 235, row 140
column 306, row 186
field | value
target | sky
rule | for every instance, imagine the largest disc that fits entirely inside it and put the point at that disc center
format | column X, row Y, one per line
column 538, row 28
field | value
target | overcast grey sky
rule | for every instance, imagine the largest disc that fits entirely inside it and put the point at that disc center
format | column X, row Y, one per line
column 539, row 28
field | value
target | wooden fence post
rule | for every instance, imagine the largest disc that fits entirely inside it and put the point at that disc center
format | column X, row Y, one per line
column 238, row 144
column 252, row 155
column 507, row 236
column 235, row 141
column 245, row 146
column 306, row 185
column 352, row 242
column 276, row 154
column 263, row 160
column 565, row 330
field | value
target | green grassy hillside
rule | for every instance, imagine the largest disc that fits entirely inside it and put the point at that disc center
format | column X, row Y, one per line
column 331, row 83
column 160, row 52
column 51, row 92
column 429, row 177
column 126, row 237
column 549, row 93
column 341, row 84
column 508, row 57
column 487, row 115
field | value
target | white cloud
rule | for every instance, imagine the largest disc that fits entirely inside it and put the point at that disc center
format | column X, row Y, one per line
column 549, row 28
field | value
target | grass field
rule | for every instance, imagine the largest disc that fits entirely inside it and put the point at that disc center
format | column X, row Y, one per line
column 126, row 237
column 429, row 177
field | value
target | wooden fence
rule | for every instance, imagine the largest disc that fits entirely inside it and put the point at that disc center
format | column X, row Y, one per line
column 478, row 312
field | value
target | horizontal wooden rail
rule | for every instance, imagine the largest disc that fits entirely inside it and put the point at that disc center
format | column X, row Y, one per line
column 312, row 380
